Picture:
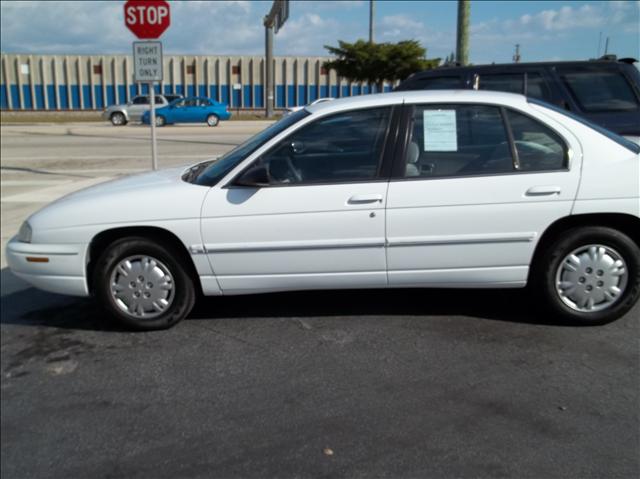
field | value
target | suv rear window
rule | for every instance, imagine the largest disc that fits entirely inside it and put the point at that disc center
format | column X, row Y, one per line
column 600, row 90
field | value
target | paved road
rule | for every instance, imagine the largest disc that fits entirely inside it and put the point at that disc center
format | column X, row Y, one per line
column 40, row 163
column 405, row 383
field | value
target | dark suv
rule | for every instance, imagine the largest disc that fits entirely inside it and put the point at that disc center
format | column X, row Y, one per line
column 605, row 91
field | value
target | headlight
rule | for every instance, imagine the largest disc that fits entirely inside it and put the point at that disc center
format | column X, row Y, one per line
column 24, row 234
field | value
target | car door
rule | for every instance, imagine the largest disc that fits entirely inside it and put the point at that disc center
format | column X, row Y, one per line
column 137, row 107
column 318, row 222
column 180, row 113
column 473, row 191
column 204, row 110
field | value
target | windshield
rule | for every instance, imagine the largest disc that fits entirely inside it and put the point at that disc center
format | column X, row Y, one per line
column 217, row 170
column 628, row 144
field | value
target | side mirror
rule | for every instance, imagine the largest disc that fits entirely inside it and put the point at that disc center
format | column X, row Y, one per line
column 255, row 177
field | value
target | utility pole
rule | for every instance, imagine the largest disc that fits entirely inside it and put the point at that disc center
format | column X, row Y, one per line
column 516, row 55
column 372, row 12
column 462, row 40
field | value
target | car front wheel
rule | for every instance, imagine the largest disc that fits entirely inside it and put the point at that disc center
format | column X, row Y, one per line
column 118, row 119
column 591, row 275
column 141, row 284
column 160, row 121
column 213, row 120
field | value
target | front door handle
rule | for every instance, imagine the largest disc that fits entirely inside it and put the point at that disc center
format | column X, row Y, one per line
column 361, row 199
column 543, row 191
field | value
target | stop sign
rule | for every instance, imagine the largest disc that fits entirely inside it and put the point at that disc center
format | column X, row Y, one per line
column 147, row 18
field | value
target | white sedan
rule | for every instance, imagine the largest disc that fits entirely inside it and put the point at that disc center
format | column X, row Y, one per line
column 463, row 189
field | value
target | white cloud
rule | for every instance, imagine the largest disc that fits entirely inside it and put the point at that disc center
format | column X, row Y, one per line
column 553, row 25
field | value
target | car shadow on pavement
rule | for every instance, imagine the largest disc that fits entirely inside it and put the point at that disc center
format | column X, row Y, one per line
column 514, row 305
column 31, row 307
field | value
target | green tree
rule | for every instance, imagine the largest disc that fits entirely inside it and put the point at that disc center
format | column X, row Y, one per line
column 378, row 62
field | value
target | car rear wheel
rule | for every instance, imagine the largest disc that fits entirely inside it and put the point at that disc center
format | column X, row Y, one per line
column 213, row 120
column 141, row 284
column 591, row 275
column 118, row 119
column 160, row 121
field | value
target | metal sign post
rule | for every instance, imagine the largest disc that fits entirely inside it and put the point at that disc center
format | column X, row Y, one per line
column 152, row 119
column 275, row 19
column 147, row 67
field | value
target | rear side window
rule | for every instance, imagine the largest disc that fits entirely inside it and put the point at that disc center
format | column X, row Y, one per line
column 471, row 140
column 622, row 141
column 437, row 83
column 600, row 90
column 512, row 83
column 538, row 148
column 457, row 140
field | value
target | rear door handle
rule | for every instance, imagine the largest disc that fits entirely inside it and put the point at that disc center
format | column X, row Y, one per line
column 543, row 191
column 361, row 199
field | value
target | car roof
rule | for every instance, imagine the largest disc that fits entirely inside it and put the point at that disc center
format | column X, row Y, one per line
column 418, row 96
column 446, row 70
column 195, row 98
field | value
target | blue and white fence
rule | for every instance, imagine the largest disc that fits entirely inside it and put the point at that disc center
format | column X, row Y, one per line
column 93, row 82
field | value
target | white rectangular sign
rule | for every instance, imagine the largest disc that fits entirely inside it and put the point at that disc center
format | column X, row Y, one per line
column 147, row 61
column 440, row 130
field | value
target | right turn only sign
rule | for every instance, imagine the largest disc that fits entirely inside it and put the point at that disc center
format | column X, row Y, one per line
column 147, row 61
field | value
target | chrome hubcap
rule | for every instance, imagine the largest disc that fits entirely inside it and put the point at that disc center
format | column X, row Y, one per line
column 213, row 121
column 591, row 278
column 117, row 119
column 142, row 287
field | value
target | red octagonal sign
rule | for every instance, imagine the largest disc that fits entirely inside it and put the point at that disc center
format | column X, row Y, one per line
column 147, row 18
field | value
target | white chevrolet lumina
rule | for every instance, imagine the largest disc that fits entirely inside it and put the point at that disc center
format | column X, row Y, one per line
column 462, row 189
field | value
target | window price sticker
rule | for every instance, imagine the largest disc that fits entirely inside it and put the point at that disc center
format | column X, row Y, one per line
column 440, row 130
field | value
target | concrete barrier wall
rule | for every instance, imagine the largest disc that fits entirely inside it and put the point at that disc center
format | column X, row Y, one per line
column 93, row 82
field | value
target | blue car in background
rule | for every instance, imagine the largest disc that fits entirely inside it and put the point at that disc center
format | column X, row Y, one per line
column 190, row 110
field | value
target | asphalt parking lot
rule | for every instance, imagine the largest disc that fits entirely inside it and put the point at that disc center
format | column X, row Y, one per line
column 403, row 383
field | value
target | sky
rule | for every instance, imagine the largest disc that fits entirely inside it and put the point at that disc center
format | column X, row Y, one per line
column 545, row 30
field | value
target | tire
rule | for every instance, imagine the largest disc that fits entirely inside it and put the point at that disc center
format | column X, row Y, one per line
column 580, row 278
column 213, row 120
column 160, row 121
column 165, row 290
column 118, row 119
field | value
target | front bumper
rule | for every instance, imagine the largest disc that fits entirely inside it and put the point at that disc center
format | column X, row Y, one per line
column 63, row 272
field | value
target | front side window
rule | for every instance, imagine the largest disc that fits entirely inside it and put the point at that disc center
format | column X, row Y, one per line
column 342, row 147
column 438, row 83
column 211, row 173
column 600, row 90
column 512, row 83
column 537, row 87
column 457, row 140
column 538, row 147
